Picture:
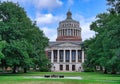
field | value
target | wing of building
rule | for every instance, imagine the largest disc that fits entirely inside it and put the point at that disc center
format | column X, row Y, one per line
column 66, row 53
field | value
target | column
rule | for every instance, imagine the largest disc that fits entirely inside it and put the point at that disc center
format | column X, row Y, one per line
column 52, row 58
column 76, row 56
column 70, row 56
column 67, row 32
column 60, row 32
column 58, row 58
column 64, row 56
column 63, row 32
column 73, row 32
column 83, row 55
column 77, row 32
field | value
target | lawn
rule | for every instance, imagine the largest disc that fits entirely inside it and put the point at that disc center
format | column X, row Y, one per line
column 87, row 78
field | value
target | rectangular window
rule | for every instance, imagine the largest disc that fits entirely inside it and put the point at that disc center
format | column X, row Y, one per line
column 67, row 55
column 55, row 55
column 61, row 67
column 73, row 55
column 67, row 67
column 61, row 54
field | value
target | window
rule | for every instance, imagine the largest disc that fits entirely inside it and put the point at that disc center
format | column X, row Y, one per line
column 73, row 67
column 67, row 67
column 61, row 55
column 55, row 55
column 61, row 67
column 67, row 55
column 73, row 55
column 79, row 56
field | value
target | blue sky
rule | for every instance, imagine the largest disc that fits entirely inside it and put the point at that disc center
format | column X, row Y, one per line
column 48, row 13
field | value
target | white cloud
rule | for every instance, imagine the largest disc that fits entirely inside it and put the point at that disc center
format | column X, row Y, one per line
column 47, row 18
column 19, row 1
column 86, row 33
column 47, row 4
column 40, row 4
column 51, row 33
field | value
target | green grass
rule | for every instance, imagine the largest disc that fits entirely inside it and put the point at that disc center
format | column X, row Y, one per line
column 88, row 78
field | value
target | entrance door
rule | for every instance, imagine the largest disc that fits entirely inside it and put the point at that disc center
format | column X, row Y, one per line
column 73, row 67
column 67, row 67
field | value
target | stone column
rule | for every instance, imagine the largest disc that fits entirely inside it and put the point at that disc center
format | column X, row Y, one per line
column 63, row 32
column 76, row 56
column 77, row 32
column 58, row 58
column 70, row 57
column 67, row 32
column 52, row 58
column 83, row 56
column 70, row 32
column 60, row 32
column 73, row 32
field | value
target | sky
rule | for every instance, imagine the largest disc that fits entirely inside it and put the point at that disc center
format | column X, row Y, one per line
column 48, row 13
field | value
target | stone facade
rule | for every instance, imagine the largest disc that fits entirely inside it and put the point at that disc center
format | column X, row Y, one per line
column 66, row 53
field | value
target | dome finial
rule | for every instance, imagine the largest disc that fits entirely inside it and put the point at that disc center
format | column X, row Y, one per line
column 69, row 14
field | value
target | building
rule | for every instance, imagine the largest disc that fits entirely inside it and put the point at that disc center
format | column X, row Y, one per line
column 66, row 53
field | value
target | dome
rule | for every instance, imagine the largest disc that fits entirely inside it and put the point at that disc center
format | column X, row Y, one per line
column 69, row 29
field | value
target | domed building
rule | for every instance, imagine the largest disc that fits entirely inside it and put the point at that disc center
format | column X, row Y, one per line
column 66, row 53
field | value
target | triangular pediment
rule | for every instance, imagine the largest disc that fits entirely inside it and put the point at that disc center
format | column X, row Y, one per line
column 67, row 44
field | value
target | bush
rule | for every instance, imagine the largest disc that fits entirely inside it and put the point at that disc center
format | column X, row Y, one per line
column 44, row 69
column 88, row 70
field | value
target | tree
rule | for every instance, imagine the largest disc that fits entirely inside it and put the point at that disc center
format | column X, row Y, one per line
column 25, row 41
column 105, row 46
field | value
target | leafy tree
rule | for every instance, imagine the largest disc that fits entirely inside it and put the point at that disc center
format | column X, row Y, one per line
column 103, row 49
column 25, row 41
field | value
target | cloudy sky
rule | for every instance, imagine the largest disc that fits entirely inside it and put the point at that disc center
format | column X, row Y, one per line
column 48, row 13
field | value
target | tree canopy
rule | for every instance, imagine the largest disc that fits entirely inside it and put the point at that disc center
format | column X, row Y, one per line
column 22, row 43
column 104, row 49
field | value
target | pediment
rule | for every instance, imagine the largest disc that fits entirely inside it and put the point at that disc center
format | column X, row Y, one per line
column 67, row 44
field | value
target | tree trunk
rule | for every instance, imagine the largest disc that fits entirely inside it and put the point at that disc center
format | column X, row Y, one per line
column 113, row 71
column 14, row 69
column 105, row 71
column 25, row 70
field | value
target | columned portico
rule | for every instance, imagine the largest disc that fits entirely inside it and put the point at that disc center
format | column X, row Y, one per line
column 67, row 59
column 75, row 58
